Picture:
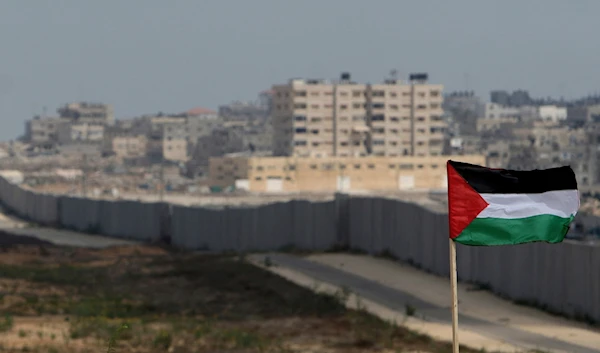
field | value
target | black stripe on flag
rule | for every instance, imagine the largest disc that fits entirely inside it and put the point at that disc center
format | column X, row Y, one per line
column 502, row 181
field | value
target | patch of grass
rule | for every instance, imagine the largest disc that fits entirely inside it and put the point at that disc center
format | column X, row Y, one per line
column 112, row 342
column 22, row 333
column 98, row 327
column 7, row 323
column 239, row 339
column 205, row 328
column 409, row 310
column 162, row 340
column 60, row 275
column 109, row 307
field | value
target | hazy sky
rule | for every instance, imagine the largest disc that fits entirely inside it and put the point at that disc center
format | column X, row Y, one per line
column 146, row 56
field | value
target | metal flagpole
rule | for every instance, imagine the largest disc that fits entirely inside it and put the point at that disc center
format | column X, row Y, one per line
column 453, row 285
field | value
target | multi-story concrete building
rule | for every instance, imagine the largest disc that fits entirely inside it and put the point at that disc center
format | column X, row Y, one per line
column 77, row 132
column 175, row 142
column 85, row 112
column 301, row 174
column 584, row 114
column 319, row 118
column 129, row 146
column 42, row 130
column 493, row 124
column 495, row 111
column 552, row 113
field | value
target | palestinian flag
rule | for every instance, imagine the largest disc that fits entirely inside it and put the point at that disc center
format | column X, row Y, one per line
column 503, row 207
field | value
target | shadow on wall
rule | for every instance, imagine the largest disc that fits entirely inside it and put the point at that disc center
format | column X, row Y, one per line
column 539, row 274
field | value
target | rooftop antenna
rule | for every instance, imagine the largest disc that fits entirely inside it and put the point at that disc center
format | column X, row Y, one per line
column 394, row 74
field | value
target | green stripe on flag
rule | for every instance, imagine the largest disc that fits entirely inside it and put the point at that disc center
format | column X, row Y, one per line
column 510, row 231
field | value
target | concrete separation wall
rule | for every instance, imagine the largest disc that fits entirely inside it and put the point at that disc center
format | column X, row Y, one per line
column 298, row 224
column 564, row 278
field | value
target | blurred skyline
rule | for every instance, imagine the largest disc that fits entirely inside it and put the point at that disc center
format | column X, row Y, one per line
column 149, row 56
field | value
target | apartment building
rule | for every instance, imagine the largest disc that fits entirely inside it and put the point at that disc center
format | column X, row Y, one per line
column 326, row 174
column 76, row 132
column 85, row 112
column 318, row 118
column 129, row 146
column 41, row 130
column 175, row 142
column 584, row 113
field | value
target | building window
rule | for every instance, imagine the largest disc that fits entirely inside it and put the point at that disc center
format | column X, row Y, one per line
column 357, row 166
column 314, row 106
column 258, row 178
column 300, row 130
column 392, row 166
column 300, row 106
column 356, row 105
column 377, row 105
column 300, row 143
column 378, row 94
column 406, row 166
column 356, row 93
column 313, row 166
column 300, row 118
column 327, row 166
column 393, row 106
column 371, row 166
column 420, row 166
column 315, row 131
column 395, row 119
column 343, row 107
column 300, row 94
column 378, row 117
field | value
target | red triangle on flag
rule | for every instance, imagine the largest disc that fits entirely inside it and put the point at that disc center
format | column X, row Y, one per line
column 464, row 203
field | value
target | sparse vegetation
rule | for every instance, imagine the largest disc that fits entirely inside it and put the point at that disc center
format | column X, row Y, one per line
column 147, row 299
column 7, row 323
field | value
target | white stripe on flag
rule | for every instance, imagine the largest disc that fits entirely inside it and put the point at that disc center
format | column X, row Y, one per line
column 562, row 203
